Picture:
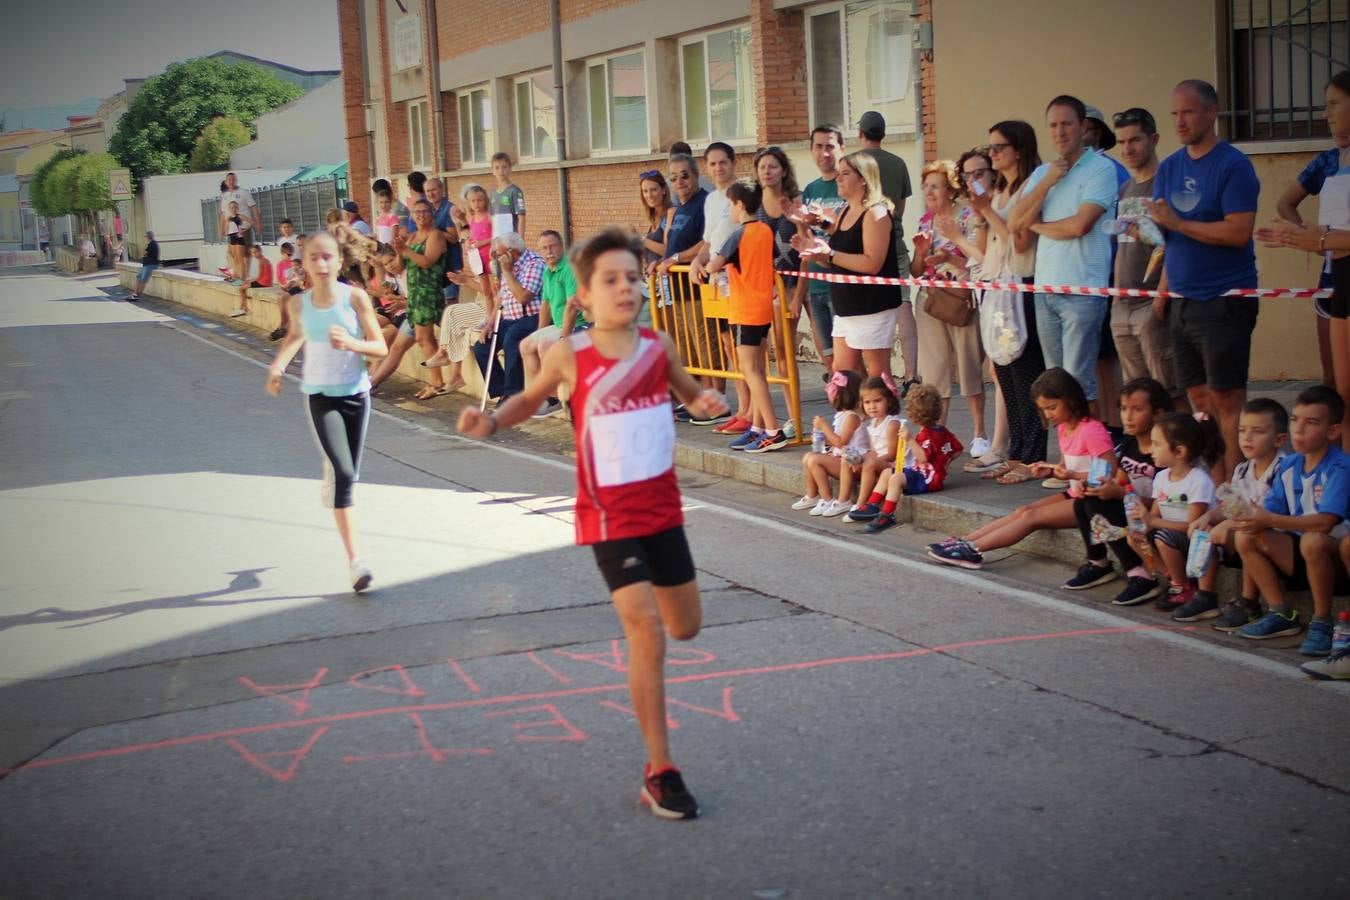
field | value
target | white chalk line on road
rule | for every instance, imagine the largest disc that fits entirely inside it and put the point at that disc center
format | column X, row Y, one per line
column 913, row 566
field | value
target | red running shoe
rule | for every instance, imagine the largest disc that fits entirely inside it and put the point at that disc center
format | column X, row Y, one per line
column 664, row 792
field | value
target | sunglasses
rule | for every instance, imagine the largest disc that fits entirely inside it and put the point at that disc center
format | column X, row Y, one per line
column 682, row 176
column 966, row 176
column 998, row 148
column 650, row 173
column 1134, row 116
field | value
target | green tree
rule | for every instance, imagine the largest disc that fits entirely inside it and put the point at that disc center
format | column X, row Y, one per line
column 74, row 183
column 168, row 114
column 48, row 190
column 212, row 150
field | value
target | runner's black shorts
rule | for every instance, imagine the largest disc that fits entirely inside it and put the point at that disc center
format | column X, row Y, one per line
column 662, row 558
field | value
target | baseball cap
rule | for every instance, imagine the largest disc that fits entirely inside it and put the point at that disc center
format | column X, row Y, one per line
column 1108, row 136
column 351, row 207
column 149, row 234
column 872, row 122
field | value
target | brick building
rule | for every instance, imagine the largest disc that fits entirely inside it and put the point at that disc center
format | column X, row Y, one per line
column 444, row 85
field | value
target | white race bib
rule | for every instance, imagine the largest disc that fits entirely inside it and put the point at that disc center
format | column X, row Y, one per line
column 326, row 366
column 632, row 446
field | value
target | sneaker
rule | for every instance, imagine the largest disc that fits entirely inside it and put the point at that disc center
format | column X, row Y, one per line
column 1317, row 642
column 1235, row 614
column 735, row 425
column 907, row 384
column 881, row 522
column 238, row 312
column 946, row 542
column 236, row 282
column 744, row 440
column 865, row 513
column 547, row 408
column 1090, row 575
column 225, row 270
column 682, row 414
column 1202, row 605
column 665, row 794
column 961, row 553
column 836, row 508
column 1335, row 667
column 805, row 503
column 768, row 442
column 790, row 430
column 1174, row 599
column 360, row 574
column 1055, row 484
column 819, row 509
column 711, row 421
column 1138, row 590
column 1271, row 625
column 134, row 297
column 978, row 447
column 277, row 334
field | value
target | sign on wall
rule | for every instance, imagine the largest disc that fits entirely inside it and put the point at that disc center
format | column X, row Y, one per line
column 407, row 51
column 119, row 184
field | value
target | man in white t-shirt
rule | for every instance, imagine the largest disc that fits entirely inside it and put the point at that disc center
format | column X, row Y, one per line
column 248, row 207
column 720, row 161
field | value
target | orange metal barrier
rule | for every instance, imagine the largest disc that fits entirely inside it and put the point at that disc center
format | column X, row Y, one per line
column 694, row 315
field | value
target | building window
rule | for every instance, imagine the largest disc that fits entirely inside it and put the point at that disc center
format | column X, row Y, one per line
column 417, row 134
column 717, row 85
column 474, row 112
column 536, row 116
column 859, row 57
column 1280, row 56
column 617, row 92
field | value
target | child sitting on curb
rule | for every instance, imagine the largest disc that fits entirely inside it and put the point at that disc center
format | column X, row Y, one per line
column 846, row 443
column 923, row 469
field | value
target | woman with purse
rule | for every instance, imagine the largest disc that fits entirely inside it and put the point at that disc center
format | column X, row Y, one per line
column 859, row 243
column 1011, row 256
column 949, row 241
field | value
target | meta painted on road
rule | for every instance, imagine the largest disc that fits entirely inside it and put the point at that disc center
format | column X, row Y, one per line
column 277, row 749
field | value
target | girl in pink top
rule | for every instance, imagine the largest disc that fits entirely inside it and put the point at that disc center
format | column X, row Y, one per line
column 1082, row 440
column 386, row 220
column 480, row 234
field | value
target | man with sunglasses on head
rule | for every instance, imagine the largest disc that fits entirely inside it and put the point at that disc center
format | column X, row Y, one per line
column 1141, row 336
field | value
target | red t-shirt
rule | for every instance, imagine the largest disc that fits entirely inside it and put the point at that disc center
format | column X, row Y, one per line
column 941, row 447
column 626, row 485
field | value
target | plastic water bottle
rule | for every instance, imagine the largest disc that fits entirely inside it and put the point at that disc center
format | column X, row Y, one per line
column 1134, row 513
column 817, row 441
column 1340, row 637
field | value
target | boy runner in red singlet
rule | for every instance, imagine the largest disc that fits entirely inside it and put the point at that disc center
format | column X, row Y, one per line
column 619, row 378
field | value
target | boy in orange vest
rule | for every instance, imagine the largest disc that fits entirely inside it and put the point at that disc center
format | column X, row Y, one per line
column 748, row 257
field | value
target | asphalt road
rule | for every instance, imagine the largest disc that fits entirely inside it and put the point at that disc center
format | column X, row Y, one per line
column 193, row 704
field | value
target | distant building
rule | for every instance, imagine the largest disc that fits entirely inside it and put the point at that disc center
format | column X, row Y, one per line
column 305, row 78
column 308, row 131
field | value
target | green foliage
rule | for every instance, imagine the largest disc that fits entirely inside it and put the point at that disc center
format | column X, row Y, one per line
column 47, row 190
column 161, row 127
column 212, row 150
column 73, row 181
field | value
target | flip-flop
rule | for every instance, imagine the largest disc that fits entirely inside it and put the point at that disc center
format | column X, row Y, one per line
column 999, row 472
column 429, row 392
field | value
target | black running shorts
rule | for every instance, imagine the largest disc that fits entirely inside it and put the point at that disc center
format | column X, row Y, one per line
column 662, row 558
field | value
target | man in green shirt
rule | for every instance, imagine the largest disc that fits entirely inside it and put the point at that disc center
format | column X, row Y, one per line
column 559, row 312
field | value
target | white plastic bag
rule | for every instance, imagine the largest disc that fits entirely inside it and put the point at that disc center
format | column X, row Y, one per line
column 1003, row 323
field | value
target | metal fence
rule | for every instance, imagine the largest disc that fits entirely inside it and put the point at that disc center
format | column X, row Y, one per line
column 1280, row 54
column 305, row 203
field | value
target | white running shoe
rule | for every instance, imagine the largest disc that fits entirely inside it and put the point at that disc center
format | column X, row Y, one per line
column 804, row 503
column 836, row 508
column 820, row 507
column 979, row 447
column 360, row 573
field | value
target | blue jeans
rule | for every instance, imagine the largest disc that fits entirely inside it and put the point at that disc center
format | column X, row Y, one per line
column 1070, row 329
column 512, row 381
column 147, row 269
column 822, row 318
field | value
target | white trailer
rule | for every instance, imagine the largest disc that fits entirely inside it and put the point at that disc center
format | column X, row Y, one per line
column 173, row 206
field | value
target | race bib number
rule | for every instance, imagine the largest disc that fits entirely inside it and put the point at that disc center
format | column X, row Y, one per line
column 632, row 446
column 324, row 365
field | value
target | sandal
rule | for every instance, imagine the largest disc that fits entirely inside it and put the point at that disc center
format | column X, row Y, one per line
column 1019, row 474
column 431, row 391
column 997, row 473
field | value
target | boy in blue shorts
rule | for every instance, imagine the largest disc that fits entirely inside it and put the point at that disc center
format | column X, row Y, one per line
column 1294, row 541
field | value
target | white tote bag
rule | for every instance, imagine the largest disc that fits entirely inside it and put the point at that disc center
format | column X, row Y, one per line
column 1003, row 323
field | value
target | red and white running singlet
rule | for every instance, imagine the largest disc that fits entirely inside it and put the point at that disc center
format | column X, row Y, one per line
column 626, row 485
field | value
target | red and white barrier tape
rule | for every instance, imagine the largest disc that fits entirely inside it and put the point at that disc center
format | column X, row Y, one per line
column 1306, row 293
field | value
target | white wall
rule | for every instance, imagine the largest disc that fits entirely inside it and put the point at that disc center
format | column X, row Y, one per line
column 309, row 131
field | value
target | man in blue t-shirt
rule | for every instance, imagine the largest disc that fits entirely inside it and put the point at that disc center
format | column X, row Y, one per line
column 1204, row 198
